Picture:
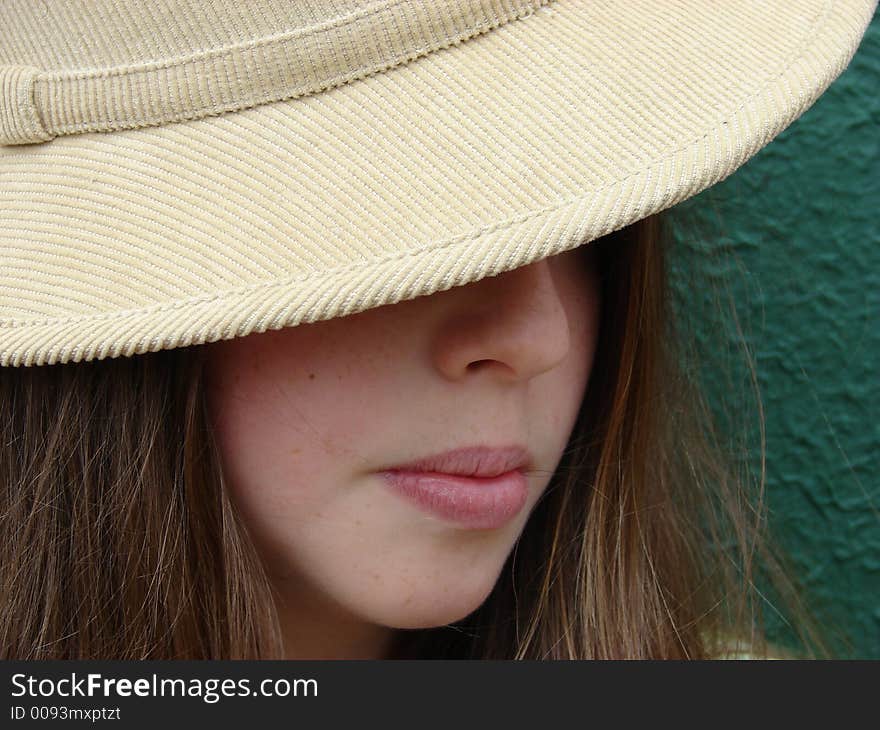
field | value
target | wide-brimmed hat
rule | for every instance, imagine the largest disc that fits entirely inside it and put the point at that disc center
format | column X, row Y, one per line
column 179, row 172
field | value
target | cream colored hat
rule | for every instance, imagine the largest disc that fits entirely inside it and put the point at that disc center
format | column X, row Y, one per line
column 183, row 171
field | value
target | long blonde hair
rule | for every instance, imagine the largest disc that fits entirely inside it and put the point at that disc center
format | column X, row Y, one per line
column 119, row 539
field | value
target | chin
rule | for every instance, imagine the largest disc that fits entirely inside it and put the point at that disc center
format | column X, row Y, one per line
column 433, row 606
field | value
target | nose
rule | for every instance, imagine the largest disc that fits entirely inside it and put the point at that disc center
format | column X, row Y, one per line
column 514, row 325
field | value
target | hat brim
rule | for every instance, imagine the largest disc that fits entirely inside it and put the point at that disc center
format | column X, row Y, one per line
column 517, row 144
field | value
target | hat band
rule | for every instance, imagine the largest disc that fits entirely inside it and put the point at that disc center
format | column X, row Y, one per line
column 37, row 105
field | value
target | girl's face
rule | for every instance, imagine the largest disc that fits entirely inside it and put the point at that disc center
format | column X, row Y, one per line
column 308, row 417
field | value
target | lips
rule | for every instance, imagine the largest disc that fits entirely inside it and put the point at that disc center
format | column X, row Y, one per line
column 474, row 487
column 470, row 502
column 472, row 461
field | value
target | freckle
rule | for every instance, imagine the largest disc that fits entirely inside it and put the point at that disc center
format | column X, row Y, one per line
column 294, row 452
column 311, row 376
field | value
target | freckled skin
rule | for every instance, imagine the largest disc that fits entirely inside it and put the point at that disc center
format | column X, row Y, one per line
column 503, row 360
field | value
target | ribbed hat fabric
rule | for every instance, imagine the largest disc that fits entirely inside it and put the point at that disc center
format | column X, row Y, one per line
column 178, row 172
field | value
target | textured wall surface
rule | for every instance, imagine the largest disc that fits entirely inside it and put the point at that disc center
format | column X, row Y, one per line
column 795, row 241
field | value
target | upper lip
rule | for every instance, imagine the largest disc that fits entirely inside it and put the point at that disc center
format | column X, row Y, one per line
column 472, row 461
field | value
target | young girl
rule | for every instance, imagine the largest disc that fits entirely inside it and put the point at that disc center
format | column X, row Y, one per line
column 305, row 355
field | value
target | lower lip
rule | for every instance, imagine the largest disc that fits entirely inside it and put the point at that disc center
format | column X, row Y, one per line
column 472, row 502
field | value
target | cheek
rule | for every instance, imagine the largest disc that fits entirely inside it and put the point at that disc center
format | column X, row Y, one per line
column 583, row 306
column 277, row 469
column 259, row 413
column 588, row 337
column 287, row 428
column 261, row 452
column 567, row 386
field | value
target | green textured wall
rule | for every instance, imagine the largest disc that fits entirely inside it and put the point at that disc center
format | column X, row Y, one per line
column 794, row 238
